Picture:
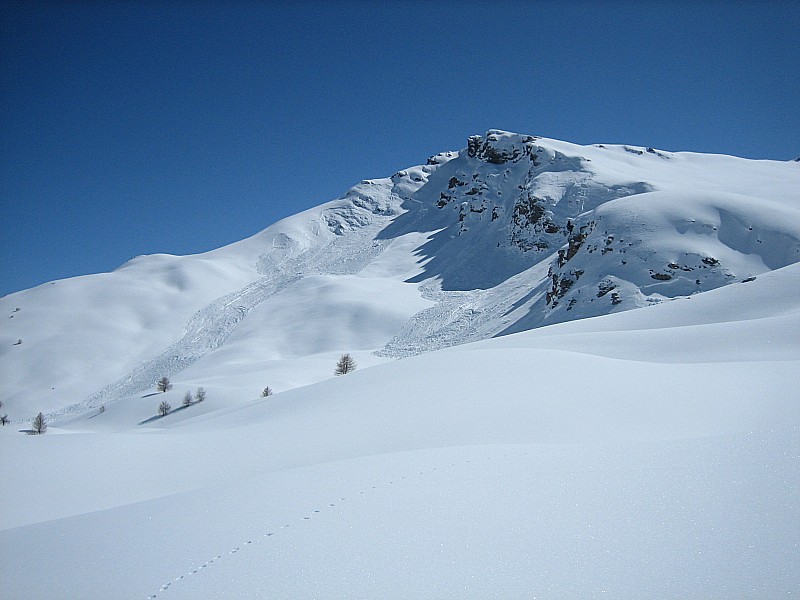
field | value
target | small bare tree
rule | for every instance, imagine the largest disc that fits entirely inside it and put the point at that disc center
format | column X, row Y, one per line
column 4, row 420
column 39, row 424
column 200, row 394
column 267, row 392
column 187, row 398
column 164, row 408
column 345, row 365
column 164, row 384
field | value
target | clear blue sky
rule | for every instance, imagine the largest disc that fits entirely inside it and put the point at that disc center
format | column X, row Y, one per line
column 140, row 127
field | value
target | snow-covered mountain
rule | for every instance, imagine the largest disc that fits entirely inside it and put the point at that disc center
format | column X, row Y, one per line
column 643, row 453
column 512, row 233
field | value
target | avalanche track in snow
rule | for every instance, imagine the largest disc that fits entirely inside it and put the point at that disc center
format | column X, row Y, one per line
column 210, row 327
column 512, row 233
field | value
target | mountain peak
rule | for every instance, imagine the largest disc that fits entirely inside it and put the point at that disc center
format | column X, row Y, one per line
column 509, row 234
column 499, row 147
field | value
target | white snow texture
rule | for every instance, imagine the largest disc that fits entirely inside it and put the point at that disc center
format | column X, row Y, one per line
column 576, row 378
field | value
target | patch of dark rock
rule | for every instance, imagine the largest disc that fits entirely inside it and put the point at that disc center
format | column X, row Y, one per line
column 454, row 181
column 605, row 287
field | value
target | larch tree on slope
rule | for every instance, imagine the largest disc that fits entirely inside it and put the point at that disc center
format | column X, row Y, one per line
column 39, row 424
column 164, row 385
column 345, row 365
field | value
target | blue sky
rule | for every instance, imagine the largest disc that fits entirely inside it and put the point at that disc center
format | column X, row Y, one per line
column 134, row 128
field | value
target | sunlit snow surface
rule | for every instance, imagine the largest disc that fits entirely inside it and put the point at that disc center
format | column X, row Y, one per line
column 649, row 453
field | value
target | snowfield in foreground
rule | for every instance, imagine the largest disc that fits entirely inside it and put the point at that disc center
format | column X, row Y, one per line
column 577, row 378
column 501, row 469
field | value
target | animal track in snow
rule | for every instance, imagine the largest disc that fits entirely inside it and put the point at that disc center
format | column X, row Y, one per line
column 268, row 534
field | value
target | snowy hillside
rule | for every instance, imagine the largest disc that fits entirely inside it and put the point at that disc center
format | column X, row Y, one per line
column 512, row 233
column 539, row 438
column 646, row 454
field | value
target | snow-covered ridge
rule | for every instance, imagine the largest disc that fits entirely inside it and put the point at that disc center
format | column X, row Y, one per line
column 643, row 453
column 511, row 233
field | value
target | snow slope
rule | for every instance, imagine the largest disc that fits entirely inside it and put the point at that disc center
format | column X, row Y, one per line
column 557, row 463
column 539, row 438
column 512, row 233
